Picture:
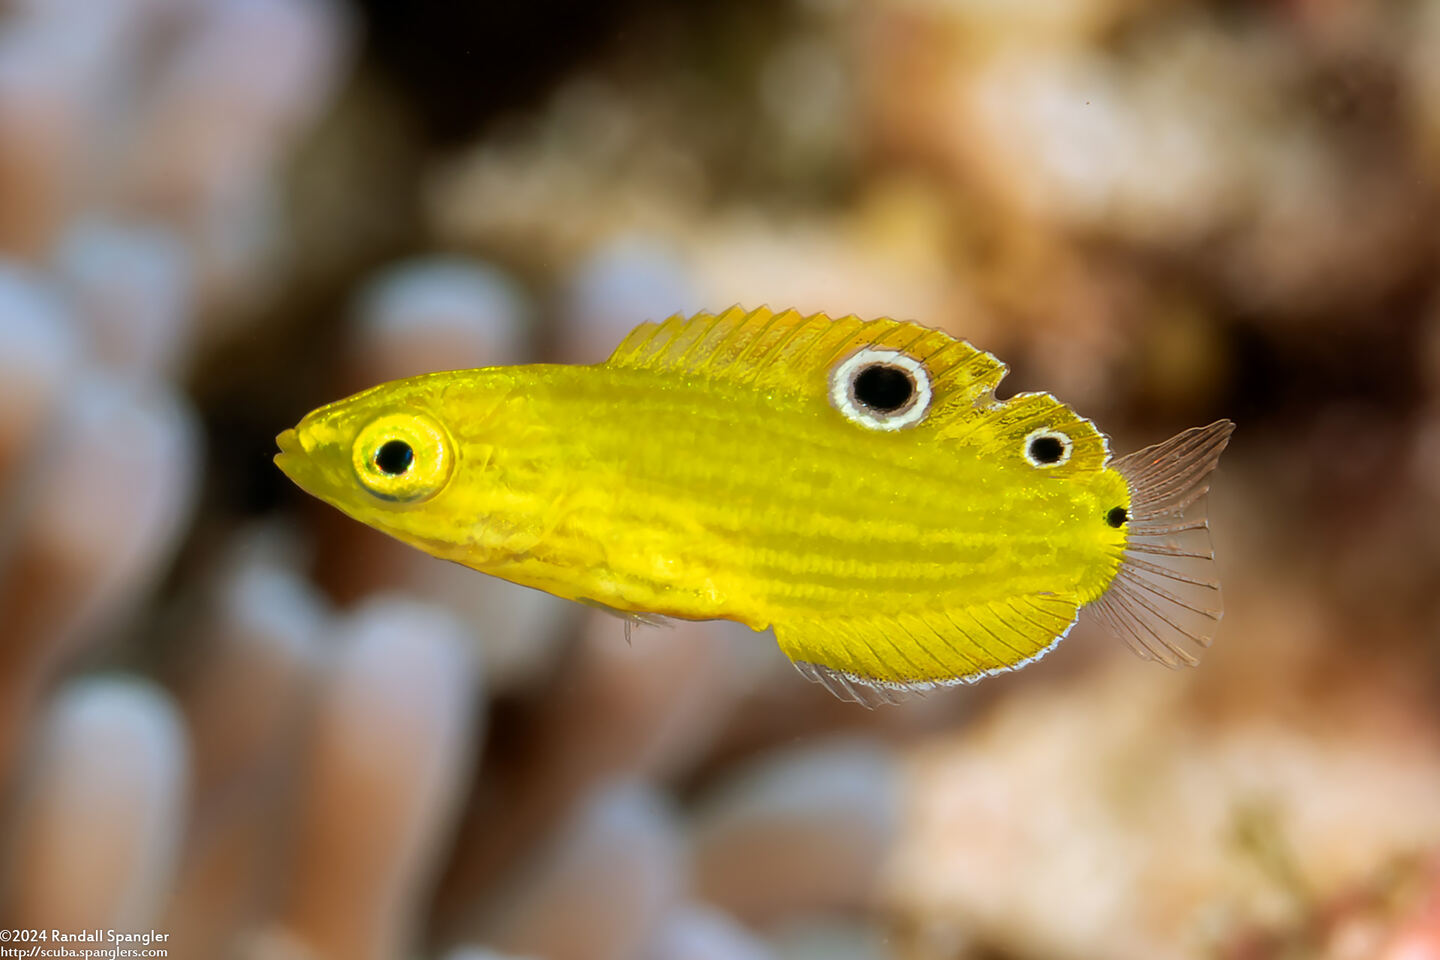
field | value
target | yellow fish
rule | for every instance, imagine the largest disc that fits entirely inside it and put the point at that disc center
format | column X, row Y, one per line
column 853, row 484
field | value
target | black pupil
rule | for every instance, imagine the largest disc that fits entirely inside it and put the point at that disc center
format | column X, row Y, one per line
column 394, row 457
column 1046, row 449
column 884, row 389
column 1117, row 517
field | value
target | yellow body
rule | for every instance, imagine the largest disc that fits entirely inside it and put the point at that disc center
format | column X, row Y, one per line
column 705, row 472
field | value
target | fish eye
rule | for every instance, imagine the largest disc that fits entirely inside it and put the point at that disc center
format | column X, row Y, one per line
column 1117, row 517
column 881, row 389
column 402, row 457
column 1047, row 448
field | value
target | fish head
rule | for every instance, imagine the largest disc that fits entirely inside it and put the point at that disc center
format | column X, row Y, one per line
column 388, row 457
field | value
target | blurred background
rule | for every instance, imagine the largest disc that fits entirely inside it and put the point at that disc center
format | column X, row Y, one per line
column 229, row 714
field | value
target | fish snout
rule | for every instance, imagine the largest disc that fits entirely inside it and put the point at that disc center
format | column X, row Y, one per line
column 294, row 454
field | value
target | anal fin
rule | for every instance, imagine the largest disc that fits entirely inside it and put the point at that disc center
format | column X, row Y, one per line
column 883, row 659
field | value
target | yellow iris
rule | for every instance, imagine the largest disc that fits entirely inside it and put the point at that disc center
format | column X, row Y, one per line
column 402, row 457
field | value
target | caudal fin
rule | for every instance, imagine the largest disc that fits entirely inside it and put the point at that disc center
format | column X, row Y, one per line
column 1165, row 601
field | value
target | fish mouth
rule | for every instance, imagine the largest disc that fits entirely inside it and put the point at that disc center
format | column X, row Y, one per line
column 292, row 455
column 289, row 441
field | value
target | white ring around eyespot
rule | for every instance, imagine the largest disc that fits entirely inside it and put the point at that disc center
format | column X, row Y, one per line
column 1066, row 445
column 842, row 379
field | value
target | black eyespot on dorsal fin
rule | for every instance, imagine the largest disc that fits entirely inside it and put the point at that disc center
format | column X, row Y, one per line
column 883, row 387
column 1047, row 447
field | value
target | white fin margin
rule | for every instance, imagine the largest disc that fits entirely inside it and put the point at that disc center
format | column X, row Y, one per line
column 1165, row 601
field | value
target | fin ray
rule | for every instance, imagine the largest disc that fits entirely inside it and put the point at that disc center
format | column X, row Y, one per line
column 1165, row 601
column 850, row 688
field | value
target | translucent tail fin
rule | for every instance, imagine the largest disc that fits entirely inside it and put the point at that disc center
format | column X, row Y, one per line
column 1165, row 601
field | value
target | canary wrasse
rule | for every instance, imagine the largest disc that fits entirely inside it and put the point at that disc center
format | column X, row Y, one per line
column 853, row 484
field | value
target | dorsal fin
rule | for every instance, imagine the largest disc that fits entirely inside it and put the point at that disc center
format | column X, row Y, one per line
column 786, row 349
column 793, row 353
